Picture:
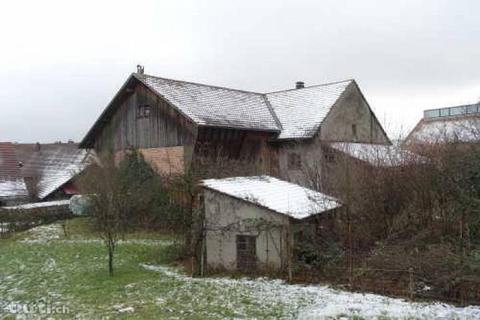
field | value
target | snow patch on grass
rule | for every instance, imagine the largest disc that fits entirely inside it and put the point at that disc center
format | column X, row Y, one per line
column 124, row 309
column 322, row 302
column 43, row 234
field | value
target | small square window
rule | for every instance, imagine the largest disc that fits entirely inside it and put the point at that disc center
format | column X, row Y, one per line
column 294, row 161
column 143, row 111
column 329, row 157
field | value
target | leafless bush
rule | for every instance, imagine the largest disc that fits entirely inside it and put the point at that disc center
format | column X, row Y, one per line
column 408, row 215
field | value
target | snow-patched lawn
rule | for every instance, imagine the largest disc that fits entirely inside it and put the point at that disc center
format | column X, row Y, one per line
column 43, row 265
column 313, row 301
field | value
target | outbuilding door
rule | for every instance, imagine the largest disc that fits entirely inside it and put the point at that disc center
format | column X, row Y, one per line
column 246, row 252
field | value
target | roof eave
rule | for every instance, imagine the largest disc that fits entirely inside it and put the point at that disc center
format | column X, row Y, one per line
column 203, row 125
column 88, row 141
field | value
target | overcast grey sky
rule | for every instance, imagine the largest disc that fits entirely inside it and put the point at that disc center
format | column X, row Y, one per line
column 62, row 61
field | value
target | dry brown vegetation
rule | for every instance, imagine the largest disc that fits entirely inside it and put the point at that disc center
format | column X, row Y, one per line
column 411, row 229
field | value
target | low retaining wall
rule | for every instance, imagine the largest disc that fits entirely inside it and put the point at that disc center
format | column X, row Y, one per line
column 25, row 216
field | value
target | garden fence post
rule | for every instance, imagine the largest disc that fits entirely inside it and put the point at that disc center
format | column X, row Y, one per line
column 411, row 284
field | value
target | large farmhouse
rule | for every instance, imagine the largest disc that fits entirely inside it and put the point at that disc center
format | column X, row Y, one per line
column 220, row 132
column 254, row 152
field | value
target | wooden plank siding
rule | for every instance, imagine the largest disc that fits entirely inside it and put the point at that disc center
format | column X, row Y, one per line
column 215, row 152
column 165, row 127
column 224, row 152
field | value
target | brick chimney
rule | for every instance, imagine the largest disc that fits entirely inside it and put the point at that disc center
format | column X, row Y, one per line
column 140, row 69
column 299, row 85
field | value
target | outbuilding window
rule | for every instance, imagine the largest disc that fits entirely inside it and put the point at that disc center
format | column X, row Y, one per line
column 294, row 161
column 246, row 252
column 143, row 111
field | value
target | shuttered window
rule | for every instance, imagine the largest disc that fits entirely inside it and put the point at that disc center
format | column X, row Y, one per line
column 143, row 111
column 294, row 161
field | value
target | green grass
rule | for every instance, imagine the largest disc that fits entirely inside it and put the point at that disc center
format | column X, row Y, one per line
column 75, row 274
column 71, row 271
column 45, row 265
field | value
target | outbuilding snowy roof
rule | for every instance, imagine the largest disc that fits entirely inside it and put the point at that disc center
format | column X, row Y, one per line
column 444, row 130
column 13, row 189
column 377, row 154
column 274, row 194
column 215, row 106
column 54, row 167
column 302, row 111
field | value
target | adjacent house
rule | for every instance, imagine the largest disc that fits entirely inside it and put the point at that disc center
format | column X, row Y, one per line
column 376, row 155
column 218, row 132
column 12, row 186
column 39, row 172
column 446, row 125
column 49, row 170
column 250, row 222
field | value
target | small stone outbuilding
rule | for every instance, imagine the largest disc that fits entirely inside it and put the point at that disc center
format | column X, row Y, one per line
column 248, row 221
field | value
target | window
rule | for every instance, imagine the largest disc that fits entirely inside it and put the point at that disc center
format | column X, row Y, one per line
column 329, row 157
column 246, row 252
column 354, row 131
column 143, row 111
column 294, row 161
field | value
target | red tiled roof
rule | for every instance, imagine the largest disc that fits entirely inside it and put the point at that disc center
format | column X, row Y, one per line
column 9, row 169
column 51, row 165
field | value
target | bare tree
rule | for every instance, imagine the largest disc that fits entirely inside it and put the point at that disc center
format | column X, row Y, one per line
column 105, row 185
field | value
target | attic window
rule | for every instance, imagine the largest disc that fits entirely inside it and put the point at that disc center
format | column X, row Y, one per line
column 354, row 131
column 143, row 111
column 294, row 161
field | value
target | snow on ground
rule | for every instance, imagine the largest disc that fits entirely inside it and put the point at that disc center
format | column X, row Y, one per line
column 47, row 233
column 322, row 302
column 42, row 234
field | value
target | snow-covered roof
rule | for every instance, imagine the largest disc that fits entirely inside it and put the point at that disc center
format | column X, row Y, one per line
column 12, row 184
column 444, row 130
column 377, row 154
column 215, row 106
column 13, row 189
column 274, row 194
column 39, row 205
column 293, row 114
column 301, row 111
column 52, row 168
